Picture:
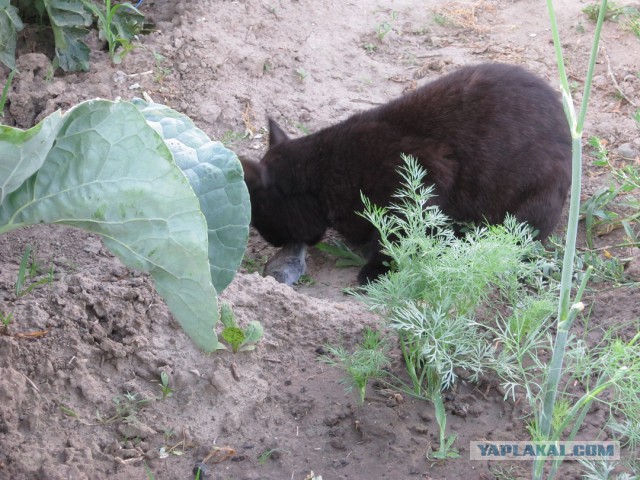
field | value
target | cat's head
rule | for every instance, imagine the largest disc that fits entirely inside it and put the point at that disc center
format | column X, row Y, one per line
column 282, row 209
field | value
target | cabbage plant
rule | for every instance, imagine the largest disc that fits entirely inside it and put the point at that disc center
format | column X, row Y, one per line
column 165, row 198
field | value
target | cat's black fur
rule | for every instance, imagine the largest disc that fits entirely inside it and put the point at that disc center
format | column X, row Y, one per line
column 492, row 137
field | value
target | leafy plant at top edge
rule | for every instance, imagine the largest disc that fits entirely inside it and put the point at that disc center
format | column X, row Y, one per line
column 240, row 339
column 101, row 167
column 119, row 24
column 69, row 21
column 10, row 25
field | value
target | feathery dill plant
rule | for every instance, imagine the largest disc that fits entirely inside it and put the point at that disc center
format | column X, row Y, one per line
column 438, row 283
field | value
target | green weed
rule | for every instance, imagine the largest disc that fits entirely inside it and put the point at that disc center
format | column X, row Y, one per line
column 301, row 73
column 370, row 48
column 599, row 150
column 382, row 29
column 48, row 77
column 604, row 267
column 633, row 23
column 595, row 212
column 598, row 210
column 504, row 473
column 6, row 320
column 127, row 408
column 345, row 256
column 443, row 21
column 602, row 470
column 267, row 454
column 304, row 129
column 160, row 71
column 29, row 269
column 167, row 391
column 230, row 137
column 68, row 411
column 627, row 15
column 252, row 264
column 612, row 12
column 306, row 280
column 365, row 363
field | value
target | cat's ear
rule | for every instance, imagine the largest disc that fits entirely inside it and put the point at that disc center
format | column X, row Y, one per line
column 255, row 174
column 276, row 134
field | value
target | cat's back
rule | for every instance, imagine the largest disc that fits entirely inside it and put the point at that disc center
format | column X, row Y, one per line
column 484, row 100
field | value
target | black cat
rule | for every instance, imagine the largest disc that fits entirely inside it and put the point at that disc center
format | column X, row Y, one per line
column 492, row 137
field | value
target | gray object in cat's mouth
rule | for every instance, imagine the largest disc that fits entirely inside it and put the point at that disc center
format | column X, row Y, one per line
column 288, row 265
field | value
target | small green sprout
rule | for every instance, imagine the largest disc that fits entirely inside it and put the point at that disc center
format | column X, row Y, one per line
column 240, row 339
column 126, row 409
column 306, row 280
column 6, row 319
column 302, row 73
column 365, row 363
column 254, row 264
column 270, row 453
column 370, row 48
column 167, row 391
column 68, row 411
column 160, row 70
column 385, row 27
column 29, row 268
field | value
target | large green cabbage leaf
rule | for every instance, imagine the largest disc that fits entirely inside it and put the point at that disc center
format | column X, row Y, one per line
column 110, row 173
column 215, row 174
column 24, row 151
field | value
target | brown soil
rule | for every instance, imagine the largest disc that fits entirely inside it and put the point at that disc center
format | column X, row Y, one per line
column 106, row 334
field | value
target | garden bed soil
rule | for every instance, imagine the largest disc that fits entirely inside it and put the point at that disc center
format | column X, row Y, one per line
column 80, row 364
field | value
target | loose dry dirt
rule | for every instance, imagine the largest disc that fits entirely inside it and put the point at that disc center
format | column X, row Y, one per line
column 105, row 335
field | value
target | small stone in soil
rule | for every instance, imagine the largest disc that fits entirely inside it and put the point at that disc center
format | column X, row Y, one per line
column 320, row 351
column 341, row 462
column 338, row 444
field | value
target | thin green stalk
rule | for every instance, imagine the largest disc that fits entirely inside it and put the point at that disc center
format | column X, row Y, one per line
column 566, row 311
column 22, row 270
column 592, row 64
